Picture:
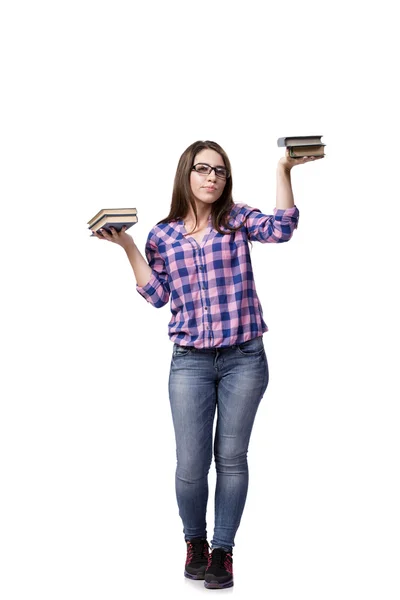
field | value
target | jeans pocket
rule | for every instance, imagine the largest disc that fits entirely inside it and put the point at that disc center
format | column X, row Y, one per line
column 180, row 350
column 252, row 347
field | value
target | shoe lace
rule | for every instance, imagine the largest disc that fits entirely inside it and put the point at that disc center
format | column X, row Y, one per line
column 217, row 558
column 197, row 549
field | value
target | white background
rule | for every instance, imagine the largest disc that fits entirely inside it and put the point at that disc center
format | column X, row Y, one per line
column 98, row 101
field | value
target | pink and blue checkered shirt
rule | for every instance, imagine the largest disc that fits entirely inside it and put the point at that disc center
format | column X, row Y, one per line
column 214, row 302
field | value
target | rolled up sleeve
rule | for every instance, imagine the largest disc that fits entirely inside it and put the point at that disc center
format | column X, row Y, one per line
column 157, row 290
column 275, row 228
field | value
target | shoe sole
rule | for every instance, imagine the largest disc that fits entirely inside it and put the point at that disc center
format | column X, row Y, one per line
column 214, row 585
column 197, row 576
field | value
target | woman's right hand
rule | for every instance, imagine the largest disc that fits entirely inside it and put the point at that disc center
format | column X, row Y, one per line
column 121, row 238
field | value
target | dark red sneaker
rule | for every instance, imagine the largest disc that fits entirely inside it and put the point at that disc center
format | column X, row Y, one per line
column 197, row 558
column 219, row 573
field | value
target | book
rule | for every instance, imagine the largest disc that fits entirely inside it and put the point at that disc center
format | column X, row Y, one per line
column 300, row 140
column 117, row 222
column 311, row 150
column 111, row 211
column 113, row 217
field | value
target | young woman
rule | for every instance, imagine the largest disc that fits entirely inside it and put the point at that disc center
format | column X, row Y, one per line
column 198, row 258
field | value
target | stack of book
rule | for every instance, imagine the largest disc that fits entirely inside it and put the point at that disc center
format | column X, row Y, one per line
column 113, row 217
column 303, row 145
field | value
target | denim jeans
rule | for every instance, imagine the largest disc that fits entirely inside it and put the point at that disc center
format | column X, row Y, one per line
column 230, row 381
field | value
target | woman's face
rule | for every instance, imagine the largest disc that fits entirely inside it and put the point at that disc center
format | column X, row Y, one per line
column 207, row 189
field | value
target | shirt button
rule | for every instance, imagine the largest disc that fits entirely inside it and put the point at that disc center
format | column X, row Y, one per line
column 205, row 308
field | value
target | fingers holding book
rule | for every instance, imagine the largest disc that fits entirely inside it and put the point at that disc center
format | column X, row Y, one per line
column 288, row 161
column 301, row 149
column 112, row 235
column 298, row 160
column 109, row 234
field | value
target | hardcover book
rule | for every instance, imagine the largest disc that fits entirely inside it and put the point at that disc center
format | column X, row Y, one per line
column 300, row 140
column 111, row 211
column 311, row 150
column 113, row 217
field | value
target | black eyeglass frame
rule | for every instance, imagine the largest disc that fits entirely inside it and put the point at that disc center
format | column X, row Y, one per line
column 212, row 169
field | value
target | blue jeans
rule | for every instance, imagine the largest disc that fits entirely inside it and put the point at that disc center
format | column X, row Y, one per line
column 232, row 381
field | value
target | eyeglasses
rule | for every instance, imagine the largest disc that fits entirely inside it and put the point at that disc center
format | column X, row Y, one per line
column 205, row 169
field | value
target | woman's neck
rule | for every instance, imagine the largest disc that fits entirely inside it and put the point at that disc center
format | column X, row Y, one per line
column 202, row 219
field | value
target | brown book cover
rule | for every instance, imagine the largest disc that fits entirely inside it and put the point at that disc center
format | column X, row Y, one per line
column 311, row 150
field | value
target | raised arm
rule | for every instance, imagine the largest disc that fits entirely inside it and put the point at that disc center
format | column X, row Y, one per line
column 284, row 191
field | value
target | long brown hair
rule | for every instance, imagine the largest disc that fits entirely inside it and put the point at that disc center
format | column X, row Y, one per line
column 182, row 195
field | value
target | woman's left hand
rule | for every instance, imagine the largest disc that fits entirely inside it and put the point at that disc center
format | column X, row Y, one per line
column 287, row 162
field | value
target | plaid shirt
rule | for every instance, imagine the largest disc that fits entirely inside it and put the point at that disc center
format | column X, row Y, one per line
column 214, row 302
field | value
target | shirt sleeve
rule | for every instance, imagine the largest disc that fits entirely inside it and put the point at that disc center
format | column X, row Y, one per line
column 274, row 228
column 157, row 290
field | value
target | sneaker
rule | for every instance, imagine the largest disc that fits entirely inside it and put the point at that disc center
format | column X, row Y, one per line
column 219, row 573
column 197, row 558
